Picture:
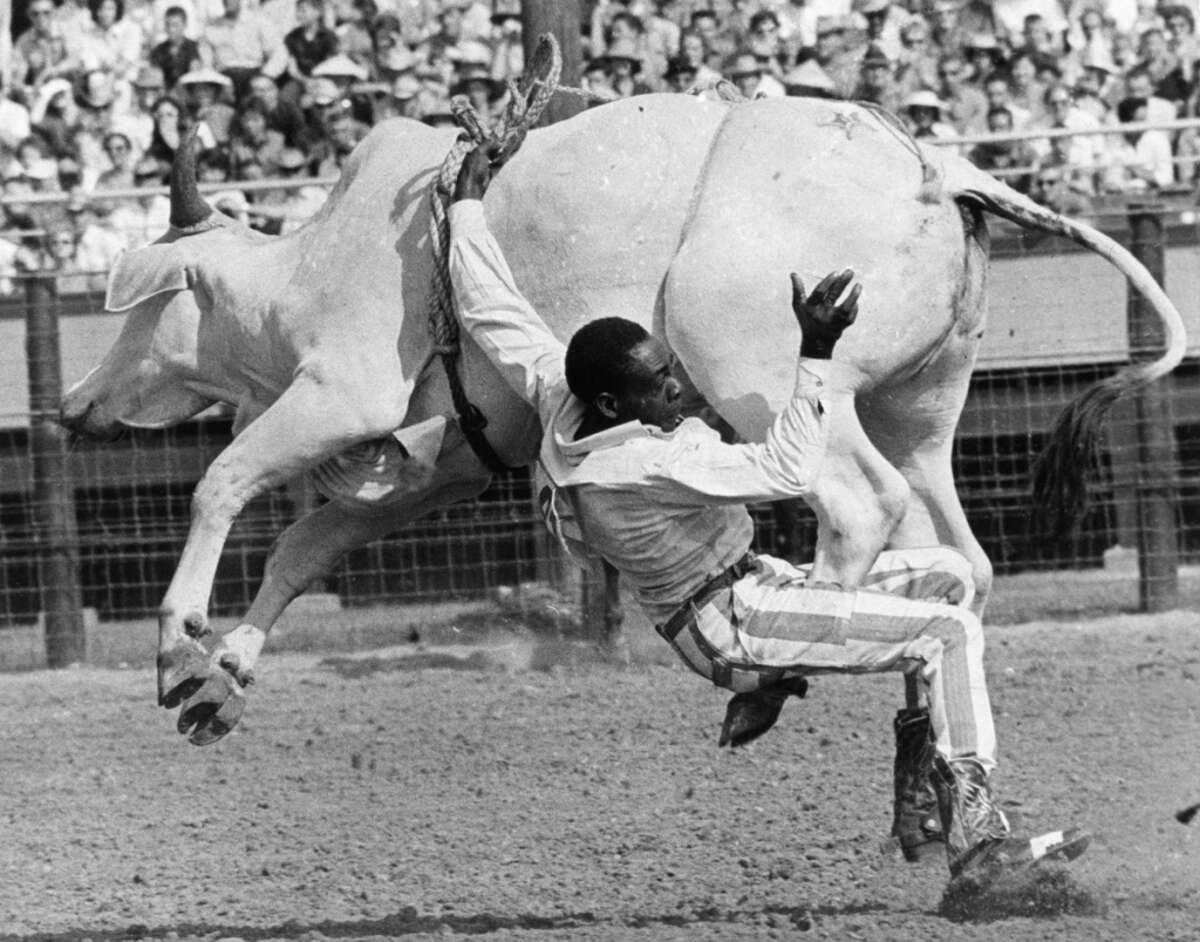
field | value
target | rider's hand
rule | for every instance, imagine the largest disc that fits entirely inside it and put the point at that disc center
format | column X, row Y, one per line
column 474, row 175
column 821, row 316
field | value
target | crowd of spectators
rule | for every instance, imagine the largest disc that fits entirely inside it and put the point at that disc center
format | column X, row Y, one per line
column 99, row 92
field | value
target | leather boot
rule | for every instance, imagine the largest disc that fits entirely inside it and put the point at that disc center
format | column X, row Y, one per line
column 749, row 715
column 979, row 842
column 916, row 825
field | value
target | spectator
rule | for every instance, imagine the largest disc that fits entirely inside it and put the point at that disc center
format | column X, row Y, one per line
column 833, row 56
column 353, row 32
column 985, row 56
column 344, row 72
column 719, row 43
column 119, row 150
column 1187, row 149
column 597, row 82
column 57, row 258
column 342, row 134
column 164, row 141
column 240, row 45
column 916, row 68
column 31, row 164
column 283, row 115
column 1142, row 160
column 946, row 31
column 1027, row 92
column 442, row 46
column 1038, row 39
column 509, row 54
column 55, row 118
column 1088, row 41
column 1013, row 18
column 142, row 220
column 1181, row 29
column 136, row 121
column 876, row 83
column 1051, row 188
column 177, row 54
column 1003, row 157
column 202, row 91
column 1163, row 67
column 680, row 75
column 695, row 53
column 110, row 42
column 254, row 141
column 763, row 42
column 923, row 112
column 1085, row 154
column 808, row 80
column 402, row 99
column 797, row 26
column 966, row 106
column 483, row 92
column 1140, row 84
column 96, row 101
column 997, row 88
column 96, row 246
column 15, row 122
column 881, row 21
column 746, row 74
column 624, row 62
column 40, row 53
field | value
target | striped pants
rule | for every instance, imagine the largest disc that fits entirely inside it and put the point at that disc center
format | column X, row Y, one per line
column 910, row 611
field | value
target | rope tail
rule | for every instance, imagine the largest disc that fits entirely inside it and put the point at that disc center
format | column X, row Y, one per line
column 526, row 103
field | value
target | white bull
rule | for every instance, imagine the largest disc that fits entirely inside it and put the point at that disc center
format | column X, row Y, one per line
column 684, row 214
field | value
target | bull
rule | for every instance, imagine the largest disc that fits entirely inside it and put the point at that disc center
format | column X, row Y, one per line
column 683, row 213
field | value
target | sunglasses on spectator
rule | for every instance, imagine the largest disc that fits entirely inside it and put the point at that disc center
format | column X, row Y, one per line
column 63, row 240
column 116, row 147
column 42, row 11
column 1060, row 101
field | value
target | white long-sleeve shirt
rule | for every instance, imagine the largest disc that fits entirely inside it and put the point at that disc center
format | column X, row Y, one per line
column 667, row 509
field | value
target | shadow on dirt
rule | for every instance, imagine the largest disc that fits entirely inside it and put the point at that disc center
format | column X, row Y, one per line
column 409, row 922
column 1043, row 892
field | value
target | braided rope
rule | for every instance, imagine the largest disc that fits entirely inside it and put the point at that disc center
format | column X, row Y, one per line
column 525, row 106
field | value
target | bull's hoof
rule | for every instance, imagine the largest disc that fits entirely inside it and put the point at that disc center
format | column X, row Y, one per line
column 212, row 710
column 181, row 672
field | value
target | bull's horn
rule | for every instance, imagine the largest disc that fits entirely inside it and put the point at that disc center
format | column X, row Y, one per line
column 188, row 207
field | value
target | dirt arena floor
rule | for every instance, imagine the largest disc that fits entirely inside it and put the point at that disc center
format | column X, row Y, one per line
column 425, row 791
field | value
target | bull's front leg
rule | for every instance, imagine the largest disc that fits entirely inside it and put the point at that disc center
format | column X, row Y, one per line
column 308, row 423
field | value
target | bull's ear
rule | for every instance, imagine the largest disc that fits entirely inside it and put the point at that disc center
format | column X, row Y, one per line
column 142, row 273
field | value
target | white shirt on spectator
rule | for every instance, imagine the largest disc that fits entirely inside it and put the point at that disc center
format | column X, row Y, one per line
column 14, row 123
column 140, row 225
column 8, row 267
column 1152, row 153
column 117, row 49
column 1011, row 15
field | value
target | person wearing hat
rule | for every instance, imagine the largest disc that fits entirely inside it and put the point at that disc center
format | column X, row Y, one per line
column 400, row 99
column 203, row 90
column 880, row 22
column 40, row 53
column 680, row 75
column 623, row 62
column 808, row 80
column 923, row 112
column 877, row 81
column 985, row 55
column 241, row 44
column 834, row 56
column 296, row 206
column 308, row 45
column 178, row 54
column 474, row 81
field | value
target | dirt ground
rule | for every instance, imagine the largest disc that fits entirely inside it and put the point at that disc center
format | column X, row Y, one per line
column 419, row 792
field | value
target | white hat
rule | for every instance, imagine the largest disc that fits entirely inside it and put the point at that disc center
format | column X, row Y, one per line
column 340, row 66
column 205, row 76
column 924, row 99
column 46, row 94
column 808, row 74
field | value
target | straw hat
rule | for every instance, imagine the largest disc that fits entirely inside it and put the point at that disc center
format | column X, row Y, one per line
column 924, row 99
column 205, row 76
column 340, row 66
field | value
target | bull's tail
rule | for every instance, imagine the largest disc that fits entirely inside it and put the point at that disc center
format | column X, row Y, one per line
column 1060, row 474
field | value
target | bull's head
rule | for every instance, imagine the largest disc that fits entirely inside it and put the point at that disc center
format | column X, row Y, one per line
column 155, row 376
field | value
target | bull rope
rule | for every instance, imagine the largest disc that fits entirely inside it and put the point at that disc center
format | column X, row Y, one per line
column 525, row 105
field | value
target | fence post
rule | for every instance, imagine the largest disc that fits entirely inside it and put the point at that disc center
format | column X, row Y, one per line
column 55, row 531
column 1158, row 547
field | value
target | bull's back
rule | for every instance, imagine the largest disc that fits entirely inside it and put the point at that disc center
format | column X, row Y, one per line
column 590, row 211
column 810, row 186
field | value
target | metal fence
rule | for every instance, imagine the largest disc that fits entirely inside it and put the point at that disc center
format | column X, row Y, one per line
column 1058, row 321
